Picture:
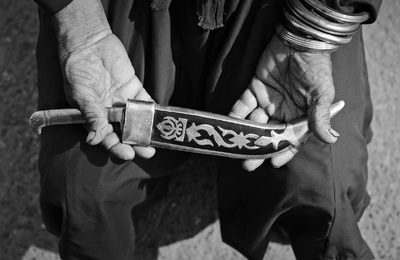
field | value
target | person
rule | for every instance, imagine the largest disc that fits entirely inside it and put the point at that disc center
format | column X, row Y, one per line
column 214, row 55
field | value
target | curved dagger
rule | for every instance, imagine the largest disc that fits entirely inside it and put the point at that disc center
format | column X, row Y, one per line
column 148, row 124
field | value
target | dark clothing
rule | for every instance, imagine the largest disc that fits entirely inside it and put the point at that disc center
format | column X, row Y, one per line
column 217, row 6
column 53, row 6
column 87, row 197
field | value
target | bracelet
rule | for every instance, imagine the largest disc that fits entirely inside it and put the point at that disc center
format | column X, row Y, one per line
column 304, row 44
column 309, row 25
column 334, row 15
column 318, row 22
column 309, row 31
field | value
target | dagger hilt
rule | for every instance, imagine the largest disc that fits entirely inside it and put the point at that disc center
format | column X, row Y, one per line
column 43, row 118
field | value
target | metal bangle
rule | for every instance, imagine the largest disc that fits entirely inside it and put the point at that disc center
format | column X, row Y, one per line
column 332, row 14
column 304, row 44
column 309, row 31
column 320, row 23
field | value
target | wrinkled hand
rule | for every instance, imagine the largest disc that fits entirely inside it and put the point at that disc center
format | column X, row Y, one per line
column 98, row 74
column 288, row 84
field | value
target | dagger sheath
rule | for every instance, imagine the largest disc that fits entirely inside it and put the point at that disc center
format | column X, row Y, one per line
column 211, row 134
column 149, row 124
column 186, row 130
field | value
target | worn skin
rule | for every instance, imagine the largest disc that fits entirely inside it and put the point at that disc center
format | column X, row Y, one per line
column 288, row 84
column 98, row 73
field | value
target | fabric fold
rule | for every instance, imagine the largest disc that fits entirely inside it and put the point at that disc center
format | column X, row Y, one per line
column 210, row 13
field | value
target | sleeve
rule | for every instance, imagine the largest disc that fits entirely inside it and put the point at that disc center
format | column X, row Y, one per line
column 53, row 6
column 357, row 6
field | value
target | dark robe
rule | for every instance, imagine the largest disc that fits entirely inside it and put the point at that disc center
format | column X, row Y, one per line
column 191, row 54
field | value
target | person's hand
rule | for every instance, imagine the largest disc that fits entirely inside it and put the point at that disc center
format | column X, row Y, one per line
column 97, row 73
column 288, row 84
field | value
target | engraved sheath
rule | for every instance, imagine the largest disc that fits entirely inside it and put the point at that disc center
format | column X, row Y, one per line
column 176, row 128
column 148, row 124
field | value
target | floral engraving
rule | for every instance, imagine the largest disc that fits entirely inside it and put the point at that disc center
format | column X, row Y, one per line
column 207, row 135
column 240, row 139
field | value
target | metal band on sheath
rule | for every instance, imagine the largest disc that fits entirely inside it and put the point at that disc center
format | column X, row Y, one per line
column 309, row 31
column 332, row 14
column 304, row 44
column 320, row 23
column 137, row 127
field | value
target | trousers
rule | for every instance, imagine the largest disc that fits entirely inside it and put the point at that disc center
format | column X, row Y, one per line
column 184, row 58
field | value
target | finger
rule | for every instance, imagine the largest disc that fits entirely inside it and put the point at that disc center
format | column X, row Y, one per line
column 110, row 128
column 110, row 140
column 258, row 115
column 145, row 152
column 252, row 164
column 244, row 105
column 320, row 120
column 113, row 144
column 97, row 124
column 122, row 151
column 143, row 95
column 125, row 152
column 285, row 157
column 261, row 91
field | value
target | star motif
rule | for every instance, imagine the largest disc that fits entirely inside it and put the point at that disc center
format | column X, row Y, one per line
column 192, row 132
column 240, row 140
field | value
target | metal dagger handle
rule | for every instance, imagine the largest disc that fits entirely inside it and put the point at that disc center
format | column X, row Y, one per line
column 40, row 119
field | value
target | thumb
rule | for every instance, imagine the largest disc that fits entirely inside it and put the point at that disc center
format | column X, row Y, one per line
column 282, row 159
column 97, row 123
column 320, row 120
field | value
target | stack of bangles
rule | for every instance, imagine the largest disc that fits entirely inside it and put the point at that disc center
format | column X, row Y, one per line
column 311, row 26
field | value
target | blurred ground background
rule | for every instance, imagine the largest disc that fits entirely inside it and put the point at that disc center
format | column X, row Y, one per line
column 185, row 225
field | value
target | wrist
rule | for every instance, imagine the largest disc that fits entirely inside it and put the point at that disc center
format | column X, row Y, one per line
column 79, row 25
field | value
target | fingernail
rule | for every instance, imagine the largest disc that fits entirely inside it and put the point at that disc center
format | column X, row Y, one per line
column 247, row 168
column 334, row 133
column 90, row 137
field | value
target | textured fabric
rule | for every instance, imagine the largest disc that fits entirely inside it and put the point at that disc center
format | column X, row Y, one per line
column 87, row 197
column 319, row 196
column 211, row 13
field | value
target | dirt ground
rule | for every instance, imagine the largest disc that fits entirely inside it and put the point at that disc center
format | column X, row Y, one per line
column 185, row 225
